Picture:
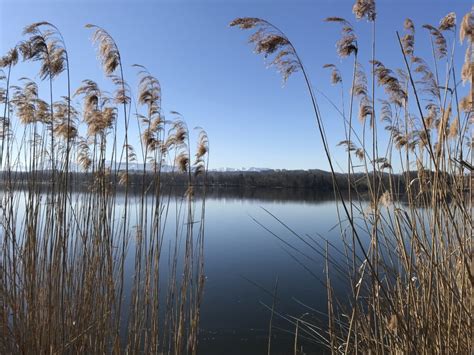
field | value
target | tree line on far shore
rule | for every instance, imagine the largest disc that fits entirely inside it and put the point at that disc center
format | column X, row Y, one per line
column 317, row 180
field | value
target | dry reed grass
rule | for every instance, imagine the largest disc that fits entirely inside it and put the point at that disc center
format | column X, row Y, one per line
column 408, row 264
column 63, row 284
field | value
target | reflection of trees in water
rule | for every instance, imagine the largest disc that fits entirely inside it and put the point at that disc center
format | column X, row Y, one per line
column 270, row 194
column 296, row 185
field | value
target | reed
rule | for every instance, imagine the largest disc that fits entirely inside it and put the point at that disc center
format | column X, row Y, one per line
column 407, row 264
column 64, row 254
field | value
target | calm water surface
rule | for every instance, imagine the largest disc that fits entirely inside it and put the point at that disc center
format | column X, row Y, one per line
column 242, row 259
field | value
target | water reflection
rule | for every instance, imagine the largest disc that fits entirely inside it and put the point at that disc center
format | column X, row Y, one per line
column 246, row 249
column 243, row 259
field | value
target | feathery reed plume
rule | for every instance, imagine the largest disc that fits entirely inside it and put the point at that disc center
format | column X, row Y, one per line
column 201, row 151
column 182, row 161
column 428, row 80
column 359, row 89
column 46, row 47
column 91, row 92
column 181, row 133
column 98, row 116
column 398, row 137
column 386, row 200
column 65, row 117
column 179, row 139
column 439, row 41
column 347, row 44
column 383, row 162
column 10, row 59
column 269, row 40
column 432, row 116
column 467, row 26
column 132, row 156
column 366, row 109
column 3, row 91
column 364, row 8
column 122, row 92
column 386, row 112
column 83, row 156
column 454, row 128
column 149, row 91
column 390, row 83
column 466, row 102
column 108, row 52
column 403, row 77
column 408, row 40
column 65, row 131
column 360, row 85
column 123, row 178
column 467, row 31
column 348, row 144
column 448, row 22
column 29, row 107
column 335, row 73
column 466, row 70
column 442, row 126
column 149, row 94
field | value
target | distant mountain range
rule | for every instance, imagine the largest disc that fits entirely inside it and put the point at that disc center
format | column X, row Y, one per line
column 133, row 166
column 138, row 167
column 253, row 169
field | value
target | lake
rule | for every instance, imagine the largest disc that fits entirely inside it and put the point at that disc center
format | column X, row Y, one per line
column 253, row 237
column 243, row 260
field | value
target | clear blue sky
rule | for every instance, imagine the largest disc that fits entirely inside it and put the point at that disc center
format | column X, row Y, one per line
column 209, row 74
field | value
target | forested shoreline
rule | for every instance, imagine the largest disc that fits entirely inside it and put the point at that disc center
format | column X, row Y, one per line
column 317, row 180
